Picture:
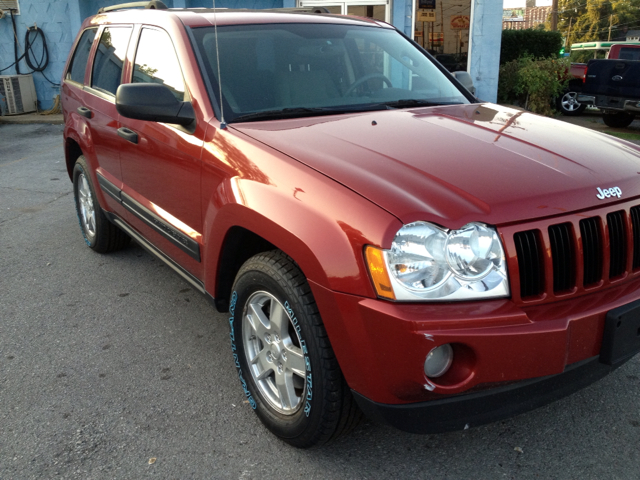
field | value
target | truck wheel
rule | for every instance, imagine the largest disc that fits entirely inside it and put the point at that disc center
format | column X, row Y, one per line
column 285, row 362
column 568, row 104
column 618, row 119
column 98, row 232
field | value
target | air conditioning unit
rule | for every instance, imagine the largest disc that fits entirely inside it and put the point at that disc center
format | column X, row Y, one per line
column 19, row 94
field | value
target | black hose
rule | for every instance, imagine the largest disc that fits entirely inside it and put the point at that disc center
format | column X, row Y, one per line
column 41, row 64
column 15, row 42
column 29, row 42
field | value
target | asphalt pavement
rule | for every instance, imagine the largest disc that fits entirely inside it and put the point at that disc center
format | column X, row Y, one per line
column 111, row 366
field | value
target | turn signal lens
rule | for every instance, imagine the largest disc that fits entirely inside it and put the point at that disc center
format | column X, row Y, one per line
column 378, row 271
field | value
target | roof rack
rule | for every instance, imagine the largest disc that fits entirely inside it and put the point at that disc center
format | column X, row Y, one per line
column 161, row 6
column 156, row 4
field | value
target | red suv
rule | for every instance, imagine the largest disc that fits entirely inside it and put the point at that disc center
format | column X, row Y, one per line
column 383, row 242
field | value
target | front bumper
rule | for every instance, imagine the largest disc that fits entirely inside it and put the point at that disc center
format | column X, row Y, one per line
column 474, row 409
column 508, row 358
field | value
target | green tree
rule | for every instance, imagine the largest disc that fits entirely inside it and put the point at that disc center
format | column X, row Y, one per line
column 590, row 20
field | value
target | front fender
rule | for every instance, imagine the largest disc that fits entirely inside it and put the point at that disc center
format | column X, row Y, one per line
column 318, row 222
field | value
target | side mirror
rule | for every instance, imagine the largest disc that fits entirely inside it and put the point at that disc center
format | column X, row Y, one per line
column 465, row 79
column 153, row 102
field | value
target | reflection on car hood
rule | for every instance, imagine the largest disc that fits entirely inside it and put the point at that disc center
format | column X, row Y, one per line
column 457, row 164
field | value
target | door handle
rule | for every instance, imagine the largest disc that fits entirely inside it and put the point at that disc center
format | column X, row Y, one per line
column 84, row 111
column 128, row 135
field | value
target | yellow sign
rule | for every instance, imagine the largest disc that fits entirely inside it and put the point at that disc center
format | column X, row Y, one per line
column 426, row 16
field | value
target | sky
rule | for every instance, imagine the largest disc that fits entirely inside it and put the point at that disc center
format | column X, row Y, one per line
column 521, row 3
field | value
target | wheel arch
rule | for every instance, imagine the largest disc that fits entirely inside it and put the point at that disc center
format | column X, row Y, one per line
column 239, row 245
column 72, row 151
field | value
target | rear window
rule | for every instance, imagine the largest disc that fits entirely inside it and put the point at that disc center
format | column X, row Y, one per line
column 627, row 53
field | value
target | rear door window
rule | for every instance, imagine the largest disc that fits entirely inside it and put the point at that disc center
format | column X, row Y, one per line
column 81, row 56
column 107, row 65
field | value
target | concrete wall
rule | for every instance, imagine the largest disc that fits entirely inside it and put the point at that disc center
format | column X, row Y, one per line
column 484, row 47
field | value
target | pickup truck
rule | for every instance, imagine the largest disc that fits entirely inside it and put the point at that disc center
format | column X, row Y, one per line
column 613, row 85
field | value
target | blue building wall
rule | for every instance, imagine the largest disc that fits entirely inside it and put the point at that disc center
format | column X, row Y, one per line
column 54, row 18
column 60, row 21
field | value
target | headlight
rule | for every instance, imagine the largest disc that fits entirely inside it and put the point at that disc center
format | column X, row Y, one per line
column 427, row 262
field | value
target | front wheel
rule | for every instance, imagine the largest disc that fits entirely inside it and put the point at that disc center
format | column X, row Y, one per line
column 617, row 119
column 285, row 363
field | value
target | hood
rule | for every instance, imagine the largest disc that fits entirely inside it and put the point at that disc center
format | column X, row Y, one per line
column 461, row 163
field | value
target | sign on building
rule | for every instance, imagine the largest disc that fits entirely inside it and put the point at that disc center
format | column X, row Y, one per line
column 436, row 39
column 429, row 4
column 426, row 16
column 460, row 22
column 513, row 15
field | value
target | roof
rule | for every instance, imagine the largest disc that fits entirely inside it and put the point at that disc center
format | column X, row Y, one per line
column 201, row 17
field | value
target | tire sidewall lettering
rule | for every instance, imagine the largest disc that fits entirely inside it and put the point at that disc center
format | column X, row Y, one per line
column 234, row 348
column 307, row 361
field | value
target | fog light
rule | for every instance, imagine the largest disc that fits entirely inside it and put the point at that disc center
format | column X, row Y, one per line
column 438, row 361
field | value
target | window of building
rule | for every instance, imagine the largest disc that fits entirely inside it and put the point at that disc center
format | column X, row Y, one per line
column 376, row 9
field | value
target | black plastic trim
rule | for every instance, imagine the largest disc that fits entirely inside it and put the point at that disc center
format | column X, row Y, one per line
column 175, row 236
column 109, row 188
column 465, row 411
column 168, row 231
column 153, row 250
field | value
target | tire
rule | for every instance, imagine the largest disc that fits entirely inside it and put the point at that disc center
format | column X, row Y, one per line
column 618, row 119
column 285, row 362
column 568, row 104
column 99, row 233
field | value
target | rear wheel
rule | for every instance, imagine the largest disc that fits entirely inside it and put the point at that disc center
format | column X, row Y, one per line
column 618, row 119
column 98, row 232
column 285, row 362
column 568, row 104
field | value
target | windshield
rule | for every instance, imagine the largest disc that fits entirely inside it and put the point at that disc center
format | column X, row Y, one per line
column 286, row 70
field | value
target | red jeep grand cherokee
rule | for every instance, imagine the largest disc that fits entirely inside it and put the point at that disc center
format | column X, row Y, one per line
column 383, row 242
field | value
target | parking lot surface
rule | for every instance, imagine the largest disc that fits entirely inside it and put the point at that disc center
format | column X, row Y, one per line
column 112, row 367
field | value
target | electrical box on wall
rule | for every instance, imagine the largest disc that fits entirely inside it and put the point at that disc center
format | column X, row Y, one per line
column 18, row 94
column 6, row 5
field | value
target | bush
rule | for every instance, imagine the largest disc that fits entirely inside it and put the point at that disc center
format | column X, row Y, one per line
column 533, row 84
column 533, row 43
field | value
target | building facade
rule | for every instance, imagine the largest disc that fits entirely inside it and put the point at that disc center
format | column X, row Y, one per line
column 524, row 18
column 470, row 29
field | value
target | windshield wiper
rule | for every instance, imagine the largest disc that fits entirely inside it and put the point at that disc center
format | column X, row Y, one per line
column 304, row 112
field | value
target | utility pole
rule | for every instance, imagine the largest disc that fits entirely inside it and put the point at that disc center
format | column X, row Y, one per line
column 442, row 26
column 554, row 15
column 566, row 40
column 610, row 25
